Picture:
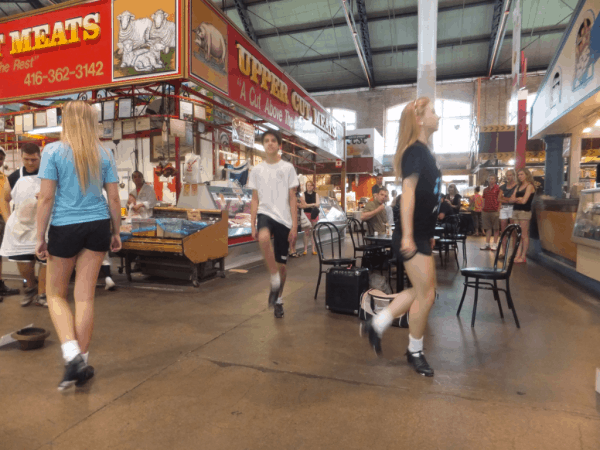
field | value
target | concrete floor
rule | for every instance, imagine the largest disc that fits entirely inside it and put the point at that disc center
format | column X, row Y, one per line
column 210, row 368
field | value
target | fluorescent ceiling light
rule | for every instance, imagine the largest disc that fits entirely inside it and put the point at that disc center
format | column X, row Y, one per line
column 46, row 130
column 587, row 130
column 511, row 162
column 273, row 127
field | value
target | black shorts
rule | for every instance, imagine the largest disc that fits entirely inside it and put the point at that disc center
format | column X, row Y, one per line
column 67, row 241
column 2, row 226
column 26, row 258
column 423, row 247
column 280, row 234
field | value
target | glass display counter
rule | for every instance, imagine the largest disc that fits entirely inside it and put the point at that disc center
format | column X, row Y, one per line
column 587, row 223
column 236, row 201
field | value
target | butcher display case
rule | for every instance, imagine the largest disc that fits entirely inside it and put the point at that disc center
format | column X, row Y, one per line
column 236, row 201
column 331, row 211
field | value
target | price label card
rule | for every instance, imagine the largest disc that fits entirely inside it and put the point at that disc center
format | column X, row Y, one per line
column 118, row 131
column 18, row 124
column 2, row 122
column 28, row 122
column 40, row 119
column 199, row 112
column 186, row 110
column 109, row 110
column 98, row 108
column 52, row 117
column 125, row 108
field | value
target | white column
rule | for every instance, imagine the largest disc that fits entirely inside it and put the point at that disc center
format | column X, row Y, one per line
column 427, row 48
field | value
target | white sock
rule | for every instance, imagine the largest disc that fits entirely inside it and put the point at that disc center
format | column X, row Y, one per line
column 382, row 321
column 275, row 281
column 85, row 357
column 70, row 350
column 279, row 301
column 415, row 345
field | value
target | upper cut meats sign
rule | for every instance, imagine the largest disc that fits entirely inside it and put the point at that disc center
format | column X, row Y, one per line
column 222, row 58
column 88, row 45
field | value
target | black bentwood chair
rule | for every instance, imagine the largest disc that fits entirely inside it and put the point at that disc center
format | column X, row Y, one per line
column 357, row 234
column 494, row 274
column 449, row 240
column 321, row 232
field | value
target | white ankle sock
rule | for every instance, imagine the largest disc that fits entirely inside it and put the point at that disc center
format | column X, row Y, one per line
column 382, row 321
column 279, row 301
column 85, row 357
column 415, row 345
column 275, row 281
column 70, row 350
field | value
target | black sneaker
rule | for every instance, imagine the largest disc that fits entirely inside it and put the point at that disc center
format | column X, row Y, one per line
column 366, row 328
column 273, row 296
column 5, row 290
column 419, row 363
column 74, row 372
column 88, row 373
column 278, row 310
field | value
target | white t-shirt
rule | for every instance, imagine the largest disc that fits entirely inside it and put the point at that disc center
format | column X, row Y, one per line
column 273, row 183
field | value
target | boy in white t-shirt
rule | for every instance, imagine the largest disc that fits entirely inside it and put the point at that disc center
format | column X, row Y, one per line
column 273, row 184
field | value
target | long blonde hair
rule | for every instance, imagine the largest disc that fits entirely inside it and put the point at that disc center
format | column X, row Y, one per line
column 409, row 130
column 528, row 176
column 80, row 132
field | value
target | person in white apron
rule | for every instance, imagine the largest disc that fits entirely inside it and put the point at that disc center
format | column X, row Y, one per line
column 142, row 199
column 20, row 235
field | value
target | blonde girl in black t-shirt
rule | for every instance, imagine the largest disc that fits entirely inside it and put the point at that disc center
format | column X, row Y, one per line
column 421, row 180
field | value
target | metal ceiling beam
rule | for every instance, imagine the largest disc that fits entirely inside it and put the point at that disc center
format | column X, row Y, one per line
column 499, row 19
column 360, row 52
column 242, row 10
column 366, row 39
column 337, row 22
column 230, row 4
column 36, row 4
column 481, row 39
column 413, row 81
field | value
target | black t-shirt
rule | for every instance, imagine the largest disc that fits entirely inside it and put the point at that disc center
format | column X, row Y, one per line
column 456, row 200
column 376, row 189
column 417, row 159
column 14, row 177
column 446, row 209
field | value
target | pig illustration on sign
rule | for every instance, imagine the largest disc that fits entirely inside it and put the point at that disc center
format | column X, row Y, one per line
column 211, row 42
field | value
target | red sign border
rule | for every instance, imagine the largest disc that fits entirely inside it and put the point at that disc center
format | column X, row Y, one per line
column 180, row 75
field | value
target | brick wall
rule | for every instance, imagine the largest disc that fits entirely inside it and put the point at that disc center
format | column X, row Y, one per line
column 371, row 105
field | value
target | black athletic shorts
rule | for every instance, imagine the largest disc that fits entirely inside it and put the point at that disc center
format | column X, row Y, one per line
column 2, row 226
column 423, row 247
column 280, row 234
column 26, row 258
column 68, row 240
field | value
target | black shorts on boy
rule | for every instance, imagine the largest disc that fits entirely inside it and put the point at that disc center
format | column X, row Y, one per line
column 280, row 234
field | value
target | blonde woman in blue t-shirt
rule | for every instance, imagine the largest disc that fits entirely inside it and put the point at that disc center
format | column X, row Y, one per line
column 74, row 171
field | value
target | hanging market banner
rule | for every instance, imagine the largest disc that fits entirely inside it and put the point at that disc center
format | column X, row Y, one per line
column 572, row 79
column 89, row 45
column 222, row 58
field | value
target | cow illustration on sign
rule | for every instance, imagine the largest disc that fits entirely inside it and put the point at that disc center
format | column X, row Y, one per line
column 208, row 46
column 146, row 42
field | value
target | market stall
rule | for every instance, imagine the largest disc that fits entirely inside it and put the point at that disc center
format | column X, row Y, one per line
column 175, row 84
column 564, row 235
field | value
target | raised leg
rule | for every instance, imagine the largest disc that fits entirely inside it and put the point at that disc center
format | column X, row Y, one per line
column 475, row 302
column 463, row 296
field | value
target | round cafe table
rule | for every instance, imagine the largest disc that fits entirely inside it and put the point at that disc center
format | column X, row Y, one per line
column 386, row 241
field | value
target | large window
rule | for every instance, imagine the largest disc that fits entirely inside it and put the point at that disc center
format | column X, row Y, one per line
column 453, row 134
column 514, row 107
column 344, row 115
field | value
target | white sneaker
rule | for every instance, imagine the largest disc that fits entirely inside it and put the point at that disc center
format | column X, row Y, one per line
column 485, row 247
column 110, row 284
column 494, row 247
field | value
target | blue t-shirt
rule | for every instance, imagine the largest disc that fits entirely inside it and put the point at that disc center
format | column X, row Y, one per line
column 71, row 206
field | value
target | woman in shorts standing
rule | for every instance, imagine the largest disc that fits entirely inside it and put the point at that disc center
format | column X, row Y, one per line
column 522, row 210
column 311, row 204
column 507, row 191
column 73, row 172
column 413, row 237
